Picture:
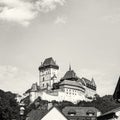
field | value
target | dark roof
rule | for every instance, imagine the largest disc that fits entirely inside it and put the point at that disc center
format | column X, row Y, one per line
column 48, row 62
column 90, row 83
column 108, row 114
column 86, row 81
column 27, row 91
column 80, row 111
column 70, row 75
column 72, row 83
column 27, row 98
column 36, row 114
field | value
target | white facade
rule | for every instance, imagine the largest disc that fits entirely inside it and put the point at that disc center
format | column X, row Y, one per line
column 54, row 114
column 73, row 96
column 47, row 77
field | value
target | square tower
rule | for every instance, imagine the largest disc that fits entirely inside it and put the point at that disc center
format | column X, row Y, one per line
column 48, row 73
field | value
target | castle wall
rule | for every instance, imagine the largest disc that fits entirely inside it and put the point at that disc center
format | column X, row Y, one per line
column 90, row 92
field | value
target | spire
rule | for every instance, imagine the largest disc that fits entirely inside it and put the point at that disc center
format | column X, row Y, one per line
column 69, row 67
column 93, row 82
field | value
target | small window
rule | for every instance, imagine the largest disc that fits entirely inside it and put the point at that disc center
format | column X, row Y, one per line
column 43, row 79
column 71, row 112
column 90, row 113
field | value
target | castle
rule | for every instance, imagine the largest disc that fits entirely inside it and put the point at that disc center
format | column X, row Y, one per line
column 69, row 88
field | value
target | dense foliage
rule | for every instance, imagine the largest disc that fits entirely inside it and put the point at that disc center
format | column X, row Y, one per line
column 9, row 108
column 103, row 104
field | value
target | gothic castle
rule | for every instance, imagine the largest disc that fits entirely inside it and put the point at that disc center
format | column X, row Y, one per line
column 69, row 88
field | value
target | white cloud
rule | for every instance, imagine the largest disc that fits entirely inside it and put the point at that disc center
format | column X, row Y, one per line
column 23, row 12
column 60, row 20
column 17, row 11
column 48, row 5
column 15, row 80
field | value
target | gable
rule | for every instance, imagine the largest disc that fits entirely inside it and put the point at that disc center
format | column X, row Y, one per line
column 54, row 114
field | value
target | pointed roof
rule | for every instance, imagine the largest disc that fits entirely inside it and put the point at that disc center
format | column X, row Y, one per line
column 48, row 62
column 54, row 114
column 116, row 94
column 34, row 87
column 93, row 82
column 70, row 75
column 89, row 83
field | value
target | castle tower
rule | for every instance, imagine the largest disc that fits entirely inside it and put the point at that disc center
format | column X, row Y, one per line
column 48, row 73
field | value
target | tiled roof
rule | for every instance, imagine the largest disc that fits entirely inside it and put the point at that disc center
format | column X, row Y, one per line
column 90, row 84
column 81, row 81
column 79, row 111
column 86, row 81
column 72, row 83
column 70, row 75
column 49, row 62
column 36, row 114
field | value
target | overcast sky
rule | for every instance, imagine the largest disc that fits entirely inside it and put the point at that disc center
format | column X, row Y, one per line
column 83, row 33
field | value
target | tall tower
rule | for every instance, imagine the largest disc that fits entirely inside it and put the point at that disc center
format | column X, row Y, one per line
column 48, row 73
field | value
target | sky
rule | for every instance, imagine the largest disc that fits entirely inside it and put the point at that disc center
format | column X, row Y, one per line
column 83, row 33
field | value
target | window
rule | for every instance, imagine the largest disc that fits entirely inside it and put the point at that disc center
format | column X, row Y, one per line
column 43, row 79
column 47, row 85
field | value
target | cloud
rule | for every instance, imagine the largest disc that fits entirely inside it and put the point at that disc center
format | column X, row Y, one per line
column 23, row 12
column 60, row 20
column 48, row 5
column 17, row 11
column 15, row 80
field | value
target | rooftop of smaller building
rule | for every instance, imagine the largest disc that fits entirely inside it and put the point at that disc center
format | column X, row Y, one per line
column 80, row 111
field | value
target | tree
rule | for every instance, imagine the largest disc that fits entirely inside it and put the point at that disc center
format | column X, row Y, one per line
column 9, row 107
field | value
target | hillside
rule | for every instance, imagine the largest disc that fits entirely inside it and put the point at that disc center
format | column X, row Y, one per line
column 104, row 104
